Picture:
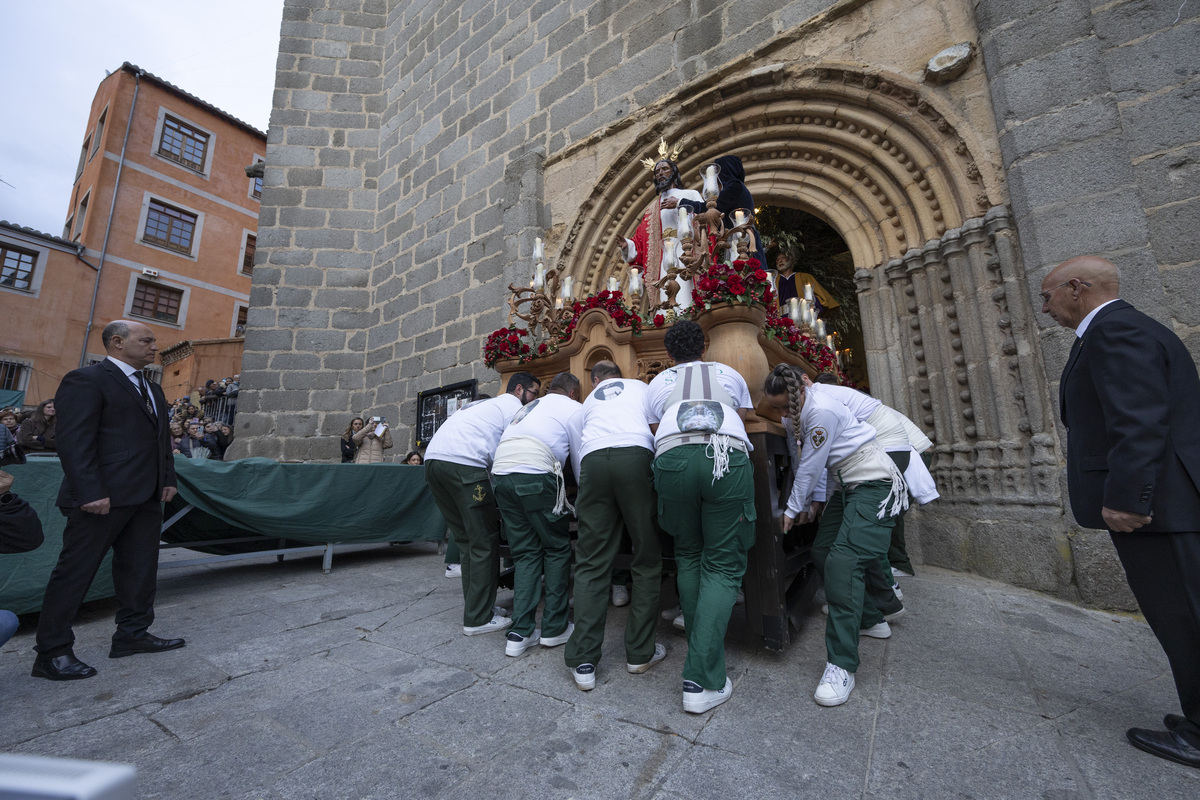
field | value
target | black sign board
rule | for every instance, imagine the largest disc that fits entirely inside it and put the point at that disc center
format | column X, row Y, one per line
column 435, row 405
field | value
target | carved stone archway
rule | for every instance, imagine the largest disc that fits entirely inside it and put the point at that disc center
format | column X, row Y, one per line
column 948, row 328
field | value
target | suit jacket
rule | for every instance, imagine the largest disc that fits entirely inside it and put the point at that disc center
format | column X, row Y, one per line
column 1129, row 397
column 110, row 445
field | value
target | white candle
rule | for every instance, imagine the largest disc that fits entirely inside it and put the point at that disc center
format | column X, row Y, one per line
column 684, row 223
column 614, row 284
column 568, row 289
column 635, row 283
column 793, row 311
column 711, row 188
column 829, row 342
column 808, row 292
column 539, row 277
column 539, row 250
column 739, row 217
column 820, row 329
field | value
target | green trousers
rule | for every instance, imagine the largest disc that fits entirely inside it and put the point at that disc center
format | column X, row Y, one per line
column 452, row 554
column 616, row 493
column 540, row 544
column 712, row 524
column 464, row 496
column 853, row 539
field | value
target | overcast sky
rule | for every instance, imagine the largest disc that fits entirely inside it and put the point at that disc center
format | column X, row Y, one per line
column 55, row 54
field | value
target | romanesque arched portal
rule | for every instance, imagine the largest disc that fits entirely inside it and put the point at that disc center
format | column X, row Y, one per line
column 947, row 325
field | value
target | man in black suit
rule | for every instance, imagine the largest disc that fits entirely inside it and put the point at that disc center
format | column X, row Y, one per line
column 1128, row 399
column 117, row 472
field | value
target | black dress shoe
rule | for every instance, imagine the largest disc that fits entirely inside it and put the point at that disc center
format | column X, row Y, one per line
column 147, row 644
column 61, row 668
column 1173, row 721
column 1165, row 744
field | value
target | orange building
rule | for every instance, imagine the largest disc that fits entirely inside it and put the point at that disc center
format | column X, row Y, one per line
column 167, row 216
column 45, row 291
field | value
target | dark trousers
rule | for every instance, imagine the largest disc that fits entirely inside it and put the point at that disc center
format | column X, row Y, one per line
column 133, row 534
column 1164, row 573
column 540, row 543
column 464, row 496
column 616, row 494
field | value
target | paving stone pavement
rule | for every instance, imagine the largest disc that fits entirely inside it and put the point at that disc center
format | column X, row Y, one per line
column 360, row 684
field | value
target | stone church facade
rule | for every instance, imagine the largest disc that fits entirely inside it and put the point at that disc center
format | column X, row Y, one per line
column 416, row 149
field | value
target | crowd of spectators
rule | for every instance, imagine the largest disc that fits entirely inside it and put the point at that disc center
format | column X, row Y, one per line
column 32, row 430
column 198, row 435
column 197, row 431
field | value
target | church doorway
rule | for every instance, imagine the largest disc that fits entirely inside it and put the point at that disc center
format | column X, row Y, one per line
column 805, row 246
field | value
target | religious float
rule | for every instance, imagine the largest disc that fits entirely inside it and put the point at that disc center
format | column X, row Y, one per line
column 709, row 275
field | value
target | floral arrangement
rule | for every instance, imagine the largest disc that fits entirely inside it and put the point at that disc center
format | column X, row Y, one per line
column 672, row 315
column 783, row 330
column 515, row 343
column 506, row 343
column 613, row 303
column 745, row 281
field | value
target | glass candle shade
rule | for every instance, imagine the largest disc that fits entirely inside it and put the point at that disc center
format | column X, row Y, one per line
column 712, row 188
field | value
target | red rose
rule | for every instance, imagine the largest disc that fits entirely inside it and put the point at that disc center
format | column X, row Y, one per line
column 736, row 286
column 760, row 274
column 659, row 320
column 754, row 263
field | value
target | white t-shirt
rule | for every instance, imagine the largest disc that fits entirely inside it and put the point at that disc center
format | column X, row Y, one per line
column 469, row 436
column 613, row 415
column 892, row 429
column 828, row 433
column 691, row 414
column 546, row 419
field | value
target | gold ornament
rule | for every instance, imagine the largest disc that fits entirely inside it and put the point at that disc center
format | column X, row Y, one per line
column 665, row 153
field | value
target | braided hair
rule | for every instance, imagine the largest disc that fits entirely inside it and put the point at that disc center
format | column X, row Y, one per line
column 785, row 379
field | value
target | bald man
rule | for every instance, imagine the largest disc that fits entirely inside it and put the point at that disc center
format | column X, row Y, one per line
column 1128, row 399
column 117, row 472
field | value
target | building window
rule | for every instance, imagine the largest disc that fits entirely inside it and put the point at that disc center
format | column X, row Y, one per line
column 156, row 302
column 248, row 254
column 169, row 227
column 183, row 143
column 256, row 184
column 99, row 135
column 13, row 375
column 17, row 269
column 82, row 215
column 239, row 328
column 83, row 154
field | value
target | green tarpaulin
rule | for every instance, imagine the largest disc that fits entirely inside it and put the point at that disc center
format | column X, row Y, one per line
column 303, row 503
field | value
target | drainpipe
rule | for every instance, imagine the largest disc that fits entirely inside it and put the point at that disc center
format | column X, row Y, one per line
column 137, row 85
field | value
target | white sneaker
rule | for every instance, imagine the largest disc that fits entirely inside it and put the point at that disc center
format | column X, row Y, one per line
column 555, row 641
column 620, row 595
column 896, row 589
column 585, row 677
column 880, row 631
column 835, row 686
column 660, row 652
column 899, row 573
column 518, row 644
column 671, row 613
column 895, row 615
column 825, row 609
column 498, row 623
column 697, row 700
column 454, row 570
column 679, row 623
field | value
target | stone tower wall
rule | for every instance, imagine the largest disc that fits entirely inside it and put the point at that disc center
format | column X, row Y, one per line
column 416, row 149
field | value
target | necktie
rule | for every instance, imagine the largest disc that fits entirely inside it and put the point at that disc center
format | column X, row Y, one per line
column 141, row 376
